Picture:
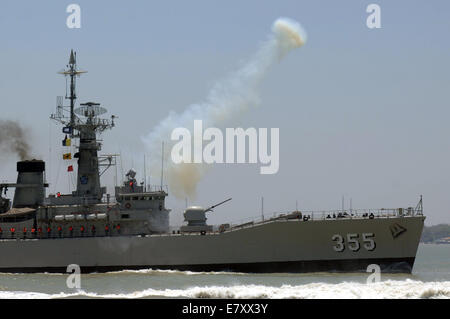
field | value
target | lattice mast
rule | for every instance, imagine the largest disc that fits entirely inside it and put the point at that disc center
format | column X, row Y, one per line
column 83, row 123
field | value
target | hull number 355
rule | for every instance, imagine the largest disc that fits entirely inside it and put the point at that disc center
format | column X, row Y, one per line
column 353, row 242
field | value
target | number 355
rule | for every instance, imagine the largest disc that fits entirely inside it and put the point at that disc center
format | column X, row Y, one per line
column 353, row 242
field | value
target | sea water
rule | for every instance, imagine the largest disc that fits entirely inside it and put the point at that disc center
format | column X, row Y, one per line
column 430, row 279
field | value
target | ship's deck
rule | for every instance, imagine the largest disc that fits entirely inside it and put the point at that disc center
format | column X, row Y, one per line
column 306, row 216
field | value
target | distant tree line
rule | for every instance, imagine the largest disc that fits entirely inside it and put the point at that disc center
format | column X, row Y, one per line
column 436, row 232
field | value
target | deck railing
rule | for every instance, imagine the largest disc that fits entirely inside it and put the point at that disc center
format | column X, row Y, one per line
column 329, row 215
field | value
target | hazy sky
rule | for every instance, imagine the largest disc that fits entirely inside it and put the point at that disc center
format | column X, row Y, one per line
column 363, row 113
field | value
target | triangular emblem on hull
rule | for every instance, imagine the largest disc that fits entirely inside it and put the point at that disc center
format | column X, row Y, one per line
column 397, row 230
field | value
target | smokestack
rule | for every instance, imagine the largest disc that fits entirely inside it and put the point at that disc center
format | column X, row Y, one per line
column 30, row 184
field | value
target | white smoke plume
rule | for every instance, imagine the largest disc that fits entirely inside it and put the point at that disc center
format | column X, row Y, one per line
column 227, row 99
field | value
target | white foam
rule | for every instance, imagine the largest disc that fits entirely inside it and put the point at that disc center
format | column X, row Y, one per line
column 388, row 289
column 174, row 272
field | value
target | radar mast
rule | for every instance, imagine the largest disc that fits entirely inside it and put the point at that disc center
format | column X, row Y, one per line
column 83, row 123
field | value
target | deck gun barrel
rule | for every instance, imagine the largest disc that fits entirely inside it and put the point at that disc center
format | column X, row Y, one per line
column 210, row 209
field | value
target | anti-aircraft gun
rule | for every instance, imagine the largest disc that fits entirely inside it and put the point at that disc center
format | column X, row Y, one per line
column 195, row 216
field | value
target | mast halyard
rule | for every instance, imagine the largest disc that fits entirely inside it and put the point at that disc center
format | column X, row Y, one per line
column 84, row 123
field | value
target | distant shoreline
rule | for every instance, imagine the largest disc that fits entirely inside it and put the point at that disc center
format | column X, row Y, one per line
column 437, row 234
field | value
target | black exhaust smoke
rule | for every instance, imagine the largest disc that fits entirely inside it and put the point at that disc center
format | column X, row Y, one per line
column 13, row 139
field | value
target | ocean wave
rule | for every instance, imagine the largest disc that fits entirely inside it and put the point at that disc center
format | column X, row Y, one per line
column 387, row 289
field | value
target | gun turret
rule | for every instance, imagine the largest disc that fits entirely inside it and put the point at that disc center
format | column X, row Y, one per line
column 195, row 216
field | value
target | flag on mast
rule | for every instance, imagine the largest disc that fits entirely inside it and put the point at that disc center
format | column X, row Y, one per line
column 66, row 141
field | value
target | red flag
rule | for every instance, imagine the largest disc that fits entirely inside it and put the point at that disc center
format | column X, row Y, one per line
column 70, row 168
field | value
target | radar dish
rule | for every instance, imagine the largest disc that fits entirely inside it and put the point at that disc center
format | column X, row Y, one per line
column 90, row 109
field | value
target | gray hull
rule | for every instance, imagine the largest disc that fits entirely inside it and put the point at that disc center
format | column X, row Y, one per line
column 272, row 246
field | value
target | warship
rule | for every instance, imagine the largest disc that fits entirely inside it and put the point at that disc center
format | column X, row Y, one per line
column 130, row 230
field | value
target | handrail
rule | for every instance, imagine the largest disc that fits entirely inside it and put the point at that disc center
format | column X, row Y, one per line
column 331, row 214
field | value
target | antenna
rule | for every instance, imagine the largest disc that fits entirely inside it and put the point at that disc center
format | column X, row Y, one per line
column 59, row 106
column 162, row 165
column 262, row 207
column 72, row 71
column 145, row 177
column 115, row 176
column 121, row 167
